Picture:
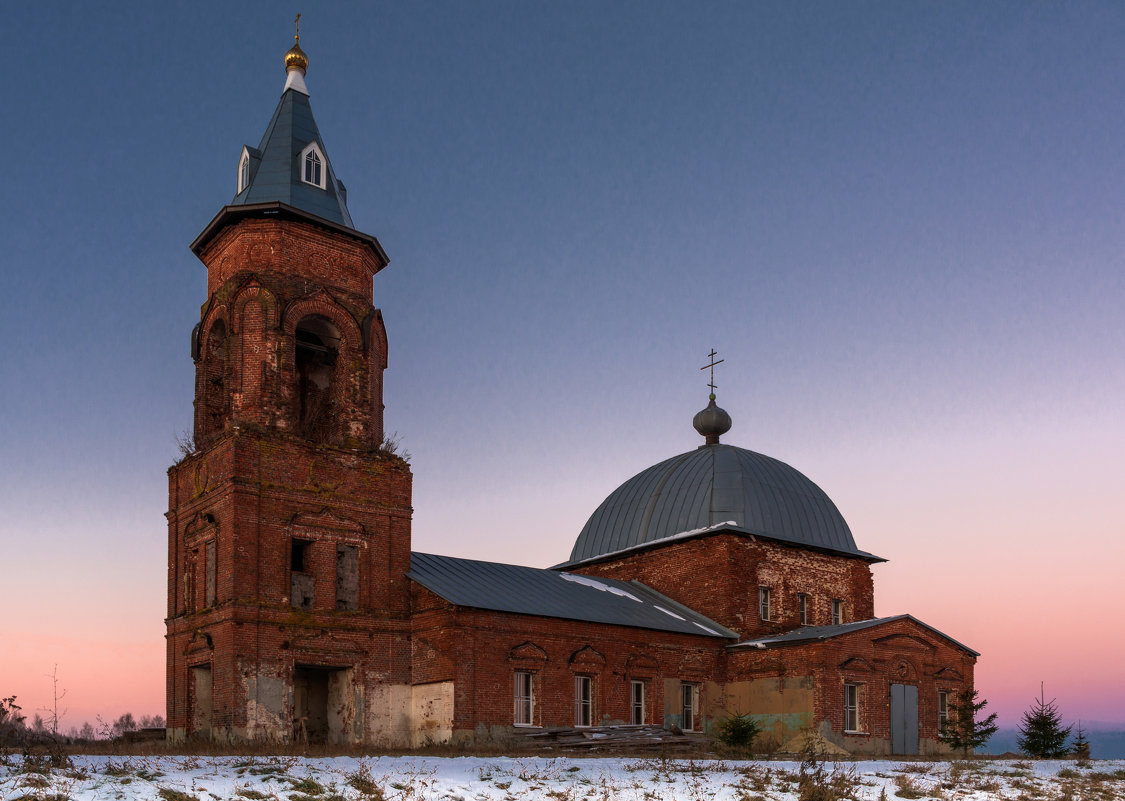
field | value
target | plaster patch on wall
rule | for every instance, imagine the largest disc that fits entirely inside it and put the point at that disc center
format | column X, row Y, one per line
column 267, row 698
column 432, row 712
column 388, row 713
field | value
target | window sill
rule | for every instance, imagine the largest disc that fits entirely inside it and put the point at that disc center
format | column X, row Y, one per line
column 849, row 731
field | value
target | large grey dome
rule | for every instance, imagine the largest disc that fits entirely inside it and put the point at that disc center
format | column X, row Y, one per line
column 709, row 486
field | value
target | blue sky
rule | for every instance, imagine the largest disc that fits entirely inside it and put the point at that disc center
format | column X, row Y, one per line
column 899, row 223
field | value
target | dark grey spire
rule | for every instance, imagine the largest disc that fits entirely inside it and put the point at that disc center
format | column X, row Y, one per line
column 291, row 164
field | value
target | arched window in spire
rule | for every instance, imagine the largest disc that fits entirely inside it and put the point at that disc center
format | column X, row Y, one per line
column 243, row 173
column 312, row 165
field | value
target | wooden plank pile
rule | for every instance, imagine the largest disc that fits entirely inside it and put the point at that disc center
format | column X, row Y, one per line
column 612, row 738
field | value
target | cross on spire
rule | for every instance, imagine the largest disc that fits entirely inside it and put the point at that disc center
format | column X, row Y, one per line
column 297, row 22
column 712, row 364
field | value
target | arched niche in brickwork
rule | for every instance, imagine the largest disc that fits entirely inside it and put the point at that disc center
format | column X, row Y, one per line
column 253, row 320
column 326, row 520
column 375, row 337
column 199, row 581
column 213, row 375
column 691, row 668
column 527, row 655
column 201, row 524
column 902, row 640
column 375, row 343
column 253, row 292
column 856, row 665
column 641, row 666
column 200, row 642
column 949, row 674
column 587, row 660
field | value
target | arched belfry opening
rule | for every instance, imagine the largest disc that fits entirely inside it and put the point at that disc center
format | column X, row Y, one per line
column 212, row 373
column 317, row 350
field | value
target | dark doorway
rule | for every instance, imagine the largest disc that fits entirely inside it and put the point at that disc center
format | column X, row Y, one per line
column 904, row 719
column 310, row 704
column 200, row 702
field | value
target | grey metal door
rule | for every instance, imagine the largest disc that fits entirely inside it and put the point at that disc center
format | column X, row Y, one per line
column 904, row 719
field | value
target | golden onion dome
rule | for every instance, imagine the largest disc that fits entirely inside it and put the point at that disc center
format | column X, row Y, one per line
column 295, row 58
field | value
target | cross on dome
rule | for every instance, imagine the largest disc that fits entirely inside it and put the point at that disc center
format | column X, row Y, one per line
column 712, row 422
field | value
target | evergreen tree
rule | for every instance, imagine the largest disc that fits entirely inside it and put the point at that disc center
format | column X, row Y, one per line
column 1081, row 745
column 1042, row 734
column 961, row 729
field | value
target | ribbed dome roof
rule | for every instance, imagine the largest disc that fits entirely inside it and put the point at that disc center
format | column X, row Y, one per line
column 709, row 486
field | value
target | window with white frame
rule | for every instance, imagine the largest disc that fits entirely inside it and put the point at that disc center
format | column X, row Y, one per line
column 803, row 607
column 689, row 694
column 851, row 708
column 636, row 702
column 583, row 701
column 837, row 611
column 764, row 602
column 524, row 695
column 243, row 172
column 312, row 165
column 942, row 708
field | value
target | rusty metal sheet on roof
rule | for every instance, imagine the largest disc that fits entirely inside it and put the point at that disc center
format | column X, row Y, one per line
column 549, row 593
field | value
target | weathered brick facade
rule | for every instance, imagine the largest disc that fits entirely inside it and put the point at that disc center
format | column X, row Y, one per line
column 719, row 574
column 291, row 613
column 289, row 359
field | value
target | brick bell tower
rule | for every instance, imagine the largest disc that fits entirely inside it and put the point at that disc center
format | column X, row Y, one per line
column 289, row 523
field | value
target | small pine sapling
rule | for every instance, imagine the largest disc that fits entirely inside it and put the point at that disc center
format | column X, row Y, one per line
column 738, row 731
column 1042, row 734
column 962, row 730
column 1081, row 746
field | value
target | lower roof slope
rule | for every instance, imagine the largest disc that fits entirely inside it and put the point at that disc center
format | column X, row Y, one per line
column 550, row 593
column 807, row 634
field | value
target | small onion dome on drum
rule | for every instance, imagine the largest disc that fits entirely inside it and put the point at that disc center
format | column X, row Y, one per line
column 712, row 422
column 295, row 58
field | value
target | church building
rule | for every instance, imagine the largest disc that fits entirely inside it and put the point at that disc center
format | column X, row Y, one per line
column 715, row 583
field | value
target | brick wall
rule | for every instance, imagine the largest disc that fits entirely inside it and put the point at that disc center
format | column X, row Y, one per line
column 719, row 575
column 899, row 652
column 265, row 279
column 481, row 650
column 252, row 493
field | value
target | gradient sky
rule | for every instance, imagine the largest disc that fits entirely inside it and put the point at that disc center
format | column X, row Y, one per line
column 900, row 223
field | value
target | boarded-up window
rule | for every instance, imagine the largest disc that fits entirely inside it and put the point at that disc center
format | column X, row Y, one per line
column 347, row 577
column 302, row 590
column 189, row 580
column 301, row 582
column 210, row 579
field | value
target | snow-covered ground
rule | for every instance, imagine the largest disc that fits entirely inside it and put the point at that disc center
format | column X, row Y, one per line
column 285, row 778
